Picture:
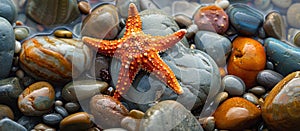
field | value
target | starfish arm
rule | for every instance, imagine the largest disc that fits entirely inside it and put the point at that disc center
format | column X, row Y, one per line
column 134, row 22
column 162, row 71
column 164, row 43
column 128, row 71
column 104, row 46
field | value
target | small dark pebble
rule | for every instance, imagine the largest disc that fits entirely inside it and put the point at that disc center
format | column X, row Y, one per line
column 61, row 110
column 52, row 119
column 268, row 78
column 72, row 107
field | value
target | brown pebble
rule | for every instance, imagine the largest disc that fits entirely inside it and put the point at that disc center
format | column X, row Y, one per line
column 136, row 114
column 43, row 127
column 79, row 121
column 236, row 114
column 6, row 111
column 84, row 7
column 63, row 34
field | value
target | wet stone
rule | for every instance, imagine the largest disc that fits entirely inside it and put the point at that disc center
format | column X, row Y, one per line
column 274, row 26
column 21, row 33
column 7, row 124
column 37, row 99
column 215, row 45
column 61, row 110
column 246, row 20
column 8, row 10
column 136, row 114
column 63, row 34
column 29, row 121
column 293, row 15
column 258, row 90
column 78, row 121
column 222, row 3
column 10, row 89
column 6, row 112
column 251, row 97
column 42, row 127
column 234, row 85
column 52, row 119
column 294, row 36
column 72, row 107
column 268, row 78
column 7, row 45
column 84, row 7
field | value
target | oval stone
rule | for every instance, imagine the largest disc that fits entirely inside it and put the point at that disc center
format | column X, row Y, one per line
column 236, row 114
column 282, row 3
column 282, row 106
column 247, row 59
column 77, row 121
column 72, row 107
column 52, row 119
column 6, row 112
column 234, row 85
column 251, row 97
column 21, row 33
column 61, row 110
column 258, row 90
column 37, row 99
column 285, row 57
column 268, row 78
column 7, row 46
column 274, row 26
column 245, row 19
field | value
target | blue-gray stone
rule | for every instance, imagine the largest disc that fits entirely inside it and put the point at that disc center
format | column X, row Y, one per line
column 10, row 89
column 61, row 110
column 7, row 124
column 8, row 10
column 215, row 45
column 29, row 121
column 52, row 119
column 246, row 20
column 7, row 47
column 268, row 78
column 234, row 85
column 286, row 58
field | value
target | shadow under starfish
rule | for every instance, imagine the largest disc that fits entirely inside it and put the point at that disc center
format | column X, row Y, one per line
column 136, row 51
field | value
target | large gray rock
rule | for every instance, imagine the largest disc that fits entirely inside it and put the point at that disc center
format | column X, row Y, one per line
column 7, row 47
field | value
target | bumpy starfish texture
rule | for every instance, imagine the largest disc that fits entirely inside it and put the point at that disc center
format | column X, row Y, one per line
column 136, row 51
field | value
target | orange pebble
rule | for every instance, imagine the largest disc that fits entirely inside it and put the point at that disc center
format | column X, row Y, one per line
column 247, row 59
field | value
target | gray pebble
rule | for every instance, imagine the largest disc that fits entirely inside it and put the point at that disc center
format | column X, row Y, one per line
column 251, row 97
column 234, row 85
column 268, row 78
column 21, row 33
column 10, row 89
column 258, row 90
column 29, row 121
column 72, row 107
column 7, row 46
column 7, row 124
column 61, row 110
column 52, row 119
column 8, row 10
column 270, row 65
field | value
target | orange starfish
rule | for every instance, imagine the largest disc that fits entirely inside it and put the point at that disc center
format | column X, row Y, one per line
column 136, row 51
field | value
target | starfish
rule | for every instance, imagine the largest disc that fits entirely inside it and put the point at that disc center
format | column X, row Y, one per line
column 136, row 51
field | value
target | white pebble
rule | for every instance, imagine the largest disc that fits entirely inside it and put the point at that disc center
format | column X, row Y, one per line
column 20, row 74
column 17, row 47
column 58, row 103
column 222, row 3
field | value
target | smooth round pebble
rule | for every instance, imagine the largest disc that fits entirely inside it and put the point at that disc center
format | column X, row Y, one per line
column 29, row 121
column 130, row 123
column 63, row 34
column 282, row 3
column 293, row 15
column 5, row 111
column 79, row 121
column 84, row 7
column 222, row 3
column 208, row 123
column 234, row 85
column 37, row 99
column 58, row 103
column 136, row 114
column 20, row 74
column 258, row 90
column 61, row 110
column 21, row 33
column 18, row 47
column 268, row 78
column 42, row 127
column 222, row 96
column 72, row 107
column 251, row 97
column 52, row 119
column 269, row 65
column 294, row 36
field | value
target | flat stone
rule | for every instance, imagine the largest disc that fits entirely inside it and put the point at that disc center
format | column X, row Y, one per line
column 234, row 85
column 7, row 124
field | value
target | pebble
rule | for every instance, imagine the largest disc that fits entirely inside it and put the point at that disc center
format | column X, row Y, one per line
column 215, row 45
column 184, row 8
column 115, row 129
column 8, row 10
column 234, row 85
column 251, row 97
column 78, row 121
column 268, row 78
column 282, row 3
column 84, row 7
column 17, row 47
column 222, row 96
column 169, row 115
column 10, row 89
column 7, row 124
column 83, row 89
column 21, row 33
column 284, row 56
column 37, row 99
column 102, row 22
column 107, row 111
column 274, row 26
column 208, row 123
column 61, row 110
column 245, row 19
column 52, row 119
column 130, row 124
column 258, row 90
column 222, row 3
column 269, row 65
column 6, row 112
column 247, row 59
column 42, row 127
column 294, row 36
column 281, row 108
column 183, row 21
column 293, row 15
column 29, row 121
column 63, row 34
column 20, row 74
column 7, row 45
column 236, row 114
column 58, row 103
column 212, row 18
column 136, row 114
column 72, row 107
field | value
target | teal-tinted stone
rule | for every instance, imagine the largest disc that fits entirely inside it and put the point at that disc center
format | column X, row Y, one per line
column 7, row 46
column 286, row 58
column 246, row 20
column 7, row 124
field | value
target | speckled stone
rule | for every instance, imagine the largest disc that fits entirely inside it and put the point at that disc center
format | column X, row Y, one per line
column 7, row 46
column 234, row 85
column 8, row 10
column 61, row 110
column 268, row 78
column 7, row 124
